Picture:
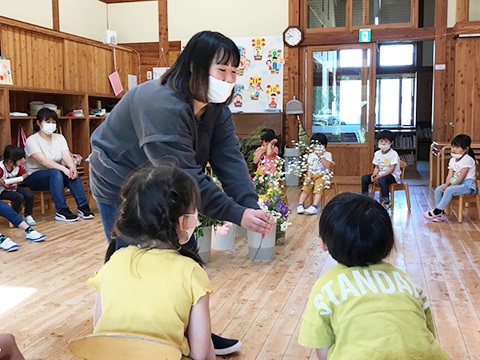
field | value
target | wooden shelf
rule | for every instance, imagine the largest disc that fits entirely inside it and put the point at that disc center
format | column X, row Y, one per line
column 97, row 117
column 22, row 117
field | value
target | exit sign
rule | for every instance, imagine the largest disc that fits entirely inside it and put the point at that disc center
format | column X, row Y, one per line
column 365, row 35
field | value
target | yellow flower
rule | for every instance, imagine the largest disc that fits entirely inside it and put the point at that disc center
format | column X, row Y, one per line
column 263, row 197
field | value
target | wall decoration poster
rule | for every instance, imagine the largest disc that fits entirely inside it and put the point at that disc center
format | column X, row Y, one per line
column 5, row 72
column 259, row 85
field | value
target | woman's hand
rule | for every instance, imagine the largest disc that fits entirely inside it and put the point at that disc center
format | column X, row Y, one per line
column 2, row 182
column 260, row 221
column 73, row 173
column 66, row 171
column 442, row 190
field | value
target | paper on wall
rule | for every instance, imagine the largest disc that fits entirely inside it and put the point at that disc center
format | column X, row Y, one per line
column 159, row 71
column 132, row 81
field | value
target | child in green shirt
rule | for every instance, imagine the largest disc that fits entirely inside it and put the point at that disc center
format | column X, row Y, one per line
column 365, row 308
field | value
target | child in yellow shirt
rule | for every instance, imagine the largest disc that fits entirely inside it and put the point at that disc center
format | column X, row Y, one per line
column 154, row 286
column 365, row 308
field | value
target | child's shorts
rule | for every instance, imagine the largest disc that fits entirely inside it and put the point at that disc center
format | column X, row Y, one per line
column 316, row 183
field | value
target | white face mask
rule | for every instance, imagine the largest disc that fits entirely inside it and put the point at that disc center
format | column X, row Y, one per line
column 384, row 147
column 218, row 90
column 457, row 156
column 191, row 230
column 49, row 128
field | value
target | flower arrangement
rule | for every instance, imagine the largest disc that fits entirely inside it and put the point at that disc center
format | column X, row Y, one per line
column 271, row 197
column 300, row 167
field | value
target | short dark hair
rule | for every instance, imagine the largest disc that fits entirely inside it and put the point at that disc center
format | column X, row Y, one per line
column 356, row 230
column 13, row 153
column 268, row 135
column 189, row 74
column 46, row 114
column 386, row 135
column 464, row 141
column 319, row 138
column 152, row 200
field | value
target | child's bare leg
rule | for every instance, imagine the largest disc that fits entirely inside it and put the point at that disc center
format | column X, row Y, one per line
column 9, row 349
column 23, row 225
column 316, row 199
column 303, row 197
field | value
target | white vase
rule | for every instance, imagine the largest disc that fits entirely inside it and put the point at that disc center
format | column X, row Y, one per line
column 224, row 242
column 261, row 249
column 204, row 244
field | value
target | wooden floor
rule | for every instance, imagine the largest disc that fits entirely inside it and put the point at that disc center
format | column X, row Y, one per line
column 259, row 303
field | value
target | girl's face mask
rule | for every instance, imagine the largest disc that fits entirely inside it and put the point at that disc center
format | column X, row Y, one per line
column 49, row 128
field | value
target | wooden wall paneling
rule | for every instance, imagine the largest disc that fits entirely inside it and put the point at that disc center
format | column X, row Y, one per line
column 55, row 15
column 163, row 31
column 366, row 12
column 460, row 85
column 4, row 118
column 476, row 97
column 462, row 10
column 445, row 131
column 439, row 80
column 65, row 124
column 245, row 123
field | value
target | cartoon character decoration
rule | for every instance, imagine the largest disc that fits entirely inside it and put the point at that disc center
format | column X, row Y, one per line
column 244, row 62
column 273, row 91
column 5, row 72
column 258, row 43
column 255, row 87
column 275, row 60
column 237, row 95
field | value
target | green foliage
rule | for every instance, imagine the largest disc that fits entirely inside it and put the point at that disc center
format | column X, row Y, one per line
column 249, row 144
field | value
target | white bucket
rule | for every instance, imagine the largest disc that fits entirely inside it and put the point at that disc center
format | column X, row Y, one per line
column 224, row 242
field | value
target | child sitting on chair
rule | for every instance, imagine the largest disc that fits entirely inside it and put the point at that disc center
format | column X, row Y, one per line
column 319, row 162
column 365, row 308
column 11, row 173
column 155, row 287
column 266, row 155
column 460, row 179
column 387, row 168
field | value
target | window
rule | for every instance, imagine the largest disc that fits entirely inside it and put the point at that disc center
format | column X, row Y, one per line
column 340, row 94
column 389, row 11
column 397, row 55
column 395, row 101
column 326, row 13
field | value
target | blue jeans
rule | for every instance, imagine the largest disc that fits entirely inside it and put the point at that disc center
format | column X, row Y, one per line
column 464, row 188
column 55, row 181
column 10, row 214
column 109, row 213
column 384, row 182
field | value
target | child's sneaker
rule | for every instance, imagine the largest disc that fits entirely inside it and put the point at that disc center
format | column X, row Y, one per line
column 34, row 236
column 7, row 244
column 85, row 212
column 312, row 210
column 439, row 218
column 300, row 209
column 386, row 205
column 65, row 214
column 29, row 220
column 429, row 215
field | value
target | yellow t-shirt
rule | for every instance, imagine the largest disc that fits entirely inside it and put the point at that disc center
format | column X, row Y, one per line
column 149, row 292
column 370, row 313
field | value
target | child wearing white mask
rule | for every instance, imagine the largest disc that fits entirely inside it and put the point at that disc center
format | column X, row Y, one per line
column 387, row 168
column 154, row 286
column 460, row 179
column 50, row 167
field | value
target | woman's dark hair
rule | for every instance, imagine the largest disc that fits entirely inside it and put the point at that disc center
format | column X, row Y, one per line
column 464, row 141
column 268, row 135
column 152, row 200
column 356, row 230
column 46, row 114
column 189, row 74
column 13, row 153
column 319, row 138
column 386, row 135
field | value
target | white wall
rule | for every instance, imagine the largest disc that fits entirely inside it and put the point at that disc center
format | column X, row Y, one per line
column 134, row 21
column 451, row 12
column 87, row 18
column 232, row 18
column 38, row 12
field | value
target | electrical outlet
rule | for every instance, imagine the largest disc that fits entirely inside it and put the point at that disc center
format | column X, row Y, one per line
column 149, row 75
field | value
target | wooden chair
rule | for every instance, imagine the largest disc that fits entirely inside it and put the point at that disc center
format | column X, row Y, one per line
column 396, row 186
column 123, row 346
column 464, row 199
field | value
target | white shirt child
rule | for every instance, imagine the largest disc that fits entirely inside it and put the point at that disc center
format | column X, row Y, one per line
column 465, row 162
column 315, row 162
column 384, row 161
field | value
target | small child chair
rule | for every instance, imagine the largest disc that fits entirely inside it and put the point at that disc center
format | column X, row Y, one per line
column 464, row 199
column 123, row 346
column 395, row 186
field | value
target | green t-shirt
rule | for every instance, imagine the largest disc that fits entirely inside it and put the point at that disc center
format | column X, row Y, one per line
column 374, row 312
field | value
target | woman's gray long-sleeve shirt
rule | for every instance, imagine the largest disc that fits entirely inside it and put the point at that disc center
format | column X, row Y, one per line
column 151, row 122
